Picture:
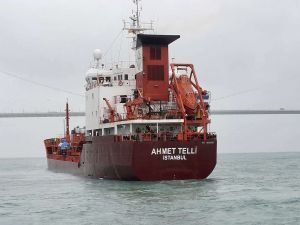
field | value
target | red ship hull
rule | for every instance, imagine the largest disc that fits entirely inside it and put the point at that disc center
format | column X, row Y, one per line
column 105, row 157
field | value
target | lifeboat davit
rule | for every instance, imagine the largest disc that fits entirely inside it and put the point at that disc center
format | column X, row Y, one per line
column 187, row 94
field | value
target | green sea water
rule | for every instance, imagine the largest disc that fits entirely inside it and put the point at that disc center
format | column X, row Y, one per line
column 244, row 189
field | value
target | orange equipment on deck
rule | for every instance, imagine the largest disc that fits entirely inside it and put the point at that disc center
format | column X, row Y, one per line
column 131, row 107
column 113, row 113
column 185, row 88
column 186, row 100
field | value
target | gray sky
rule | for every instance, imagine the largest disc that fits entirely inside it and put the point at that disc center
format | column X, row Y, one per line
column 245, row 52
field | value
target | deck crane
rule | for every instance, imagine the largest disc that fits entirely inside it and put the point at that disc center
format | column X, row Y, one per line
column 112, row 111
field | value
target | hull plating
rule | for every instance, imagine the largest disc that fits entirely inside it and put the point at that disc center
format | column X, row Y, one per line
column 147, row 161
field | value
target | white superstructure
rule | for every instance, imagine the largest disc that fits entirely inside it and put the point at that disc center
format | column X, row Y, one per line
column 116, row 85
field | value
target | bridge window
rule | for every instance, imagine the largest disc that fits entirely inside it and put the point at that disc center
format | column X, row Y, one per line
column 126, row 77
column 156, row 72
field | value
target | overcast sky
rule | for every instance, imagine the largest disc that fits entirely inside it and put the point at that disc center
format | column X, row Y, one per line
column 246, row 52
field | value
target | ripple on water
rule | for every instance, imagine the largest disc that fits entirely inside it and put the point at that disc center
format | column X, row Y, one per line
column 243, row 189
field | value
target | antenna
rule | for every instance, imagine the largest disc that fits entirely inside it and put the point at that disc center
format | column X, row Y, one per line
column 135, row 26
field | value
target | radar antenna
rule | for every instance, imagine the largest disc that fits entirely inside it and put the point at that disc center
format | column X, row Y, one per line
column 97, row 57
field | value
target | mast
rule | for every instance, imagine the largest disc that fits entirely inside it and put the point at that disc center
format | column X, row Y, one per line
column 67, row 122
column 135, row 26
column 137, row 13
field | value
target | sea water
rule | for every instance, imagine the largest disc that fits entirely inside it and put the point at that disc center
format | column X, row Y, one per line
column 257, row 188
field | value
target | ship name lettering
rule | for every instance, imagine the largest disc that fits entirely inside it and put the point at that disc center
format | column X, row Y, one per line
column 188, row 151
column 163, row 151
column 172, row 151
column 174, row 157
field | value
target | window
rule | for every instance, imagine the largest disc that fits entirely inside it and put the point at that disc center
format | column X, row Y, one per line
column 120, row 77
column 155, row 72
column 123, row 98
column 126, row 77
column 155, row 53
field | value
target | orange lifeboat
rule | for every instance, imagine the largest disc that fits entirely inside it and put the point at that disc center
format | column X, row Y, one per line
column 187, row 94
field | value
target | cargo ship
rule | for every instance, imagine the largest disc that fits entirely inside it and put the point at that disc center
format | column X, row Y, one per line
column 147, row 121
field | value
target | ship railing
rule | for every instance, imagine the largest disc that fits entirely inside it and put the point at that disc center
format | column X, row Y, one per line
column 94, row 84
column 131, row 28
column 172, row 114
column 166, row 136
column 161, row 136
column 120, row 65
